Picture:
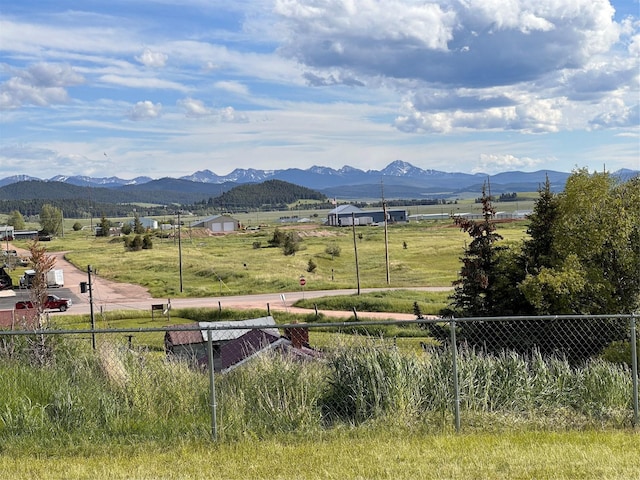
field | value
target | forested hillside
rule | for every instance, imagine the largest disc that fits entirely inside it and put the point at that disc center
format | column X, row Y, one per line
column 273, row 194
column 154, row 198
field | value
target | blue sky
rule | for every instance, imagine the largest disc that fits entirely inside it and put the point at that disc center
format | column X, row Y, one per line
column 159, row 88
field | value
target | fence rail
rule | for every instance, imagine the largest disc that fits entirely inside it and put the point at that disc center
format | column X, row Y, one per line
column 228, row 379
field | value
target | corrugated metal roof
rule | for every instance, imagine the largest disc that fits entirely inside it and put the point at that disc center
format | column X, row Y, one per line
column 342, row 209
column 184, row 337
column 230, row 330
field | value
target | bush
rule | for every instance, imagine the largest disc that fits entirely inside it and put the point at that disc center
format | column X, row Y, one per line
column 311, row 266
column 77, row 227
column 277, row 240
column 619, row 352
column 291, row 243
column 333, row 250
column 133, row 244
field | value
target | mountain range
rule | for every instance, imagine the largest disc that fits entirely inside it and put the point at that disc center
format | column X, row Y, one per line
column 398, row 180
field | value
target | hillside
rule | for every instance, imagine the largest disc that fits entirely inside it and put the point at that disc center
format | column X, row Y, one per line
column 272, row 194
column 28, row 197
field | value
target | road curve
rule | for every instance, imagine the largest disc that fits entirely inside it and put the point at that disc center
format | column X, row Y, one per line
column 111, row 296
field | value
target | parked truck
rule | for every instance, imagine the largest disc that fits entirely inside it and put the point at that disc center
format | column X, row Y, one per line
column 55, row 278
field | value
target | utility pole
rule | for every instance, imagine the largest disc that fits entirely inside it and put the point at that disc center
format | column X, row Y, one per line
column 386, row 235
column 180, row 250
column 355, row 249
column 93, row 320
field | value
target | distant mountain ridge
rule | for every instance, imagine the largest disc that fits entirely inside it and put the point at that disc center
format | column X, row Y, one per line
column 399, row 179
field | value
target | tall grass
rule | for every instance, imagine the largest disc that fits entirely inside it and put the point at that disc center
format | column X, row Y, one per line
column 272, row 395
column 393, row 301
column 125, row 393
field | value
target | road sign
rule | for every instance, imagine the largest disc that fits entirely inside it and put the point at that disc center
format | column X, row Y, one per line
column 303, row 282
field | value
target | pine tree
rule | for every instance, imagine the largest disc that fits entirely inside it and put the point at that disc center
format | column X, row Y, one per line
column 474, row 292
column 538, row 250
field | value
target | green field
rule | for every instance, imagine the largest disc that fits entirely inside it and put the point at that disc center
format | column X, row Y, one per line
column 419, row 254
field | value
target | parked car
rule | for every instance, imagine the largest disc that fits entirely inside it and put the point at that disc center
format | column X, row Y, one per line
column 53, row 302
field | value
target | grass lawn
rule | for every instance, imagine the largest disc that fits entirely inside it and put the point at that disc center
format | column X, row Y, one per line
column 373, row 454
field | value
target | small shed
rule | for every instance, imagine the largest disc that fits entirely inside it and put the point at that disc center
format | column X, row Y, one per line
column 235, row 342
column 218, row 224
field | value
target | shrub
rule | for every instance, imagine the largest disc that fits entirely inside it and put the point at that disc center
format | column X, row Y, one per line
column 311, row 266
column 333, row 250
column 133, row 244
column 619, row 352
column 277, row 240
column 291, row 243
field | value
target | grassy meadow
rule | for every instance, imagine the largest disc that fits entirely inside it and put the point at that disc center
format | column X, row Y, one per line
column 419, row 254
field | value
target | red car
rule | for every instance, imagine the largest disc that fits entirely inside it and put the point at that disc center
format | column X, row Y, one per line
column 53, row 302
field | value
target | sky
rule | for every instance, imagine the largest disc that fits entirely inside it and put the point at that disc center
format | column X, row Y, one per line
column 163, row 88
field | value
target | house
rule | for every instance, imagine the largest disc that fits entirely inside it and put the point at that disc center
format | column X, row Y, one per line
column 218, row 224
column 235, row 342
column 347, row 215
column 6, row 232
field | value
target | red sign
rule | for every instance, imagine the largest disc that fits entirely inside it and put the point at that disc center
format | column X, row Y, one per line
column 302, row 281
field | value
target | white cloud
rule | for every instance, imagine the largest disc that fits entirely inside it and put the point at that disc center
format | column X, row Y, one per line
column 425, row 41
column 230, row 115
column 152, row 59
column 194, row 108
column 492, row 163
column 233, row 87
column 41, row 84
column 145, row 110
column 142, row 82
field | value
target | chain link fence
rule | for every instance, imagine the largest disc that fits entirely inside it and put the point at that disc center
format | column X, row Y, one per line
column 233, row 379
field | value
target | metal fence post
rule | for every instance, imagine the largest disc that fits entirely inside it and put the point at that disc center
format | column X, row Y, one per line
column 212, row 387
column 454, row 373
column 634, row 368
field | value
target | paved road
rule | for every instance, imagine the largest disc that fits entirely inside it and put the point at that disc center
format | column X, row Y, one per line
column 110, row 296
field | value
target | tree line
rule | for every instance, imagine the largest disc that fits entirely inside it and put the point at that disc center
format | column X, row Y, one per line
column 581, row 256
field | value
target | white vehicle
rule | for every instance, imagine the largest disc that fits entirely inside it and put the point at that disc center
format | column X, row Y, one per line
column 55, row 278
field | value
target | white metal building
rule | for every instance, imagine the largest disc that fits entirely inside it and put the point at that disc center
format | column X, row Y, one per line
column 218, row 224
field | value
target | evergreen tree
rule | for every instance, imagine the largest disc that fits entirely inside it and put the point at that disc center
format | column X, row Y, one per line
column 147, row 243
column 105, row 226
column 537, row 251
column 475, row 288
column 137, row 225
